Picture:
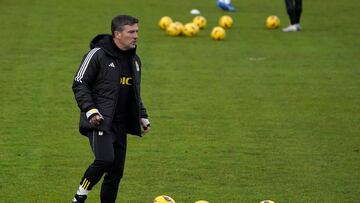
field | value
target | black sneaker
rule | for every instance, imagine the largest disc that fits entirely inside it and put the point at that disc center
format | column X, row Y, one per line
column 79, row 199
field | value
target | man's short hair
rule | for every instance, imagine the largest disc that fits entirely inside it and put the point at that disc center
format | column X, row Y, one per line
column 119, row 21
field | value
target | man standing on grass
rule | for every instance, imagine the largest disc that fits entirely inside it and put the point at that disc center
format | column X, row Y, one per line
column 107, row 91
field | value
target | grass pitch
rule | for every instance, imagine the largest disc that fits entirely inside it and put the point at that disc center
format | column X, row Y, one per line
column 261, row 115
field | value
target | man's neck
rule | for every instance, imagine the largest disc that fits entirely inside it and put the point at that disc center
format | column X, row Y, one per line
column 118, row 44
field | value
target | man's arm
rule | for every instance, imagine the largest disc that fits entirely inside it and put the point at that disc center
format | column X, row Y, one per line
column 84, row 79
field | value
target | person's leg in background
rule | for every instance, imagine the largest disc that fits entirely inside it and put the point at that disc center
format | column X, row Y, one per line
column 293, row 8
column 298, row 11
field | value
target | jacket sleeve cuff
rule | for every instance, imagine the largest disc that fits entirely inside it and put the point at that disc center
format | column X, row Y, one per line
column 92, row 112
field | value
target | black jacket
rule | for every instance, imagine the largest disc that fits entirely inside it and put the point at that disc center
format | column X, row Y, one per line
column 96, row 85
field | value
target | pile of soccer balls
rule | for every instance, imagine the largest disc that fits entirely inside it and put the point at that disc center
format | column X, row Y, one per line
column 198, row 23
column 168, row 199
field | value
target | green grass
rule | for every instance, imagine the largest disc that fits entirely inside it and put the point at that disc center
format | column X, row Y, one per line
column 261, row 115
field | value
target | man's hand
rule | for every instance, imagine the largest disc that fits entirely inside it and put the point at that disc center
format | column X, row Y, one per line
column 96, row 119
column 145, row 124
column 94, row 116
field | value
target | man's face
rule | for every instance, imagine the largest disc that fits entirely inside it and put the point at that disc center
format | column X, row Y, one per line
column 127, row 38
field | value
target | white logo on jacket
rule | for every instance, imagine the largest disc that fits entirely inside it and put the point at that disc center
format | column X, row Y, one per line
column 112, row 65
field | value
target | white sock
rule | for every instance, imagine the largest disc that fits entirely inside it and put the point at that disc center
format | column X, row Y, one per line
column 227, row 1
column 82, row 191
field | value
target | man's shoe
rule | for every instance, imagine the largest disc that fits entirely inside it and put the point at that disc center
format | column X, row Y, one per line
column 79, row 199
column 221, row 5
column 292, row 28
column 226, row 7
column 230, row 7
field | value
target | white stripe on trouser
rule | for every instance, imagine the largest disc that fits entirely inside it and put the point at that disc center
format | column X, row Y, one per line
column 93, row 141
column 85, row 64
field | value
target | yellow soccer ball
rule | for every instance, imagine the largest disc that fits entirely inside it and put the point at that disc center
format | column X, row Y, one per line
column 272, row 22
column 181, row 26
column 190, row 29
column 196, row 27
column 202, row 201
column 200, row 21
column 226, row 22
column 164, row 22
column 163, row 199
column 218, row 33
column 173, row 29
column 267, row 201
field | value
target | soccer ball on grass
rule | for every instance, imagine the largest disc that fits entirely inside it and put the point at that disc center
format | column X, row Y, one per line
column 200, row 21
column 163, row 199
column 174, row 29
column 267, row 201
column 164, row 22
column 190, row 29
column 272, row 22
column 226, row 22
column 218, row 33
